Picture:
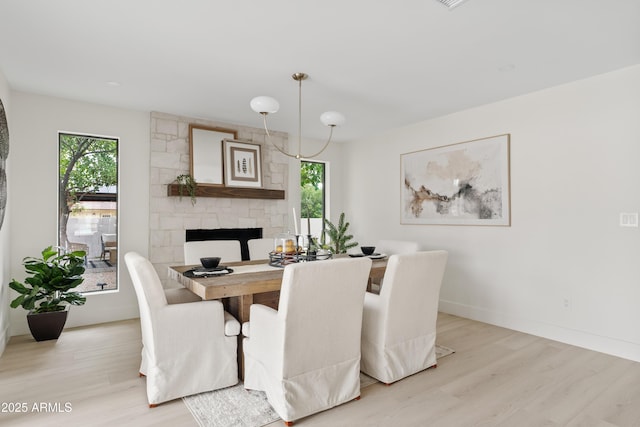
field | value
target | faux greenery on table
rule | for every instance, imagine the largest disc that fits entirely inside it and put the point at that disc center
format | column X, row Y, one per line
column 340, row 240
column 53, row 276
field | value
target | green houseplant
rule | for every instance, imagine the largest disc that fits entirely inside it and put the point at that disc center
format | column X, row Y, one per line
column 340, row 240
column 48, row 291
column 187, row 183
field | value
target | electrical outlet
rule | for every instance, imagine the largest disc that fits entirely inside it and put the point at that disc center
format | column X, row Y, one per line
column 629, row 219
column 566, row 302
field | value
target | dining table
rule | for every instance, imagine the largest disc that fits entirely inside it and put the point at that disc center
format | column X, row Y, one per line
column 250, row 282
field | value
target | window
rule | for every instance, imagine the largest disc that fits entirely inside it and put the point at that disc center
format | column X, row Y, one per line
column 88, row 206
column 312, row 197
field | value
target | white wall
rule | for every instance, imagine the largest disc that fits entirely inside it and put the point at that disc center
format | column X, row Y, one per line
column 4, row 232
column 36, row 121
column 574, row 167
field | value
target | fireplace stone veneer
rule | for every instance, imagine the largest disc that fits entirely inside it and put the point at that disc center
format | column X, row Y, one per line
column 170, row 217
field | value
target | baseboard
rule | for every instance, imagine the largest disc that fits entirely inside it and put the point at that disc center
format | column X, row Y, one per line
column 88, row 314
column 602, row 344
column 91, row 314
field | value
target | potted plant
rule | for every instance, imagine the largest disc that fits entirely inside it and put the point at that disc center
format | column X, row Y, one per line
column 47, row 292
column 187, row 183
column 340, row 240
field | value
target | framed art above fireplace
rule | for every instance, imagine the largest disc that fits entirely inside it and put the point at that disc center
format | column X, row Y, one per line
column 242, row 164
column 205, row 153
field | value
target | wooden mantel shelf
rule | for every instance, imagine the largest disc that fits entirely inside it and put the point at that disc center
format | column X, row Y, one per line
column 229, row 192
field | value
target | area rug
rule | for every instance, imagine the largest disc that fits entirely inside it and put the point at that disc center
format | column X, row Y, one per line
column 99, row 264
column 235, row 406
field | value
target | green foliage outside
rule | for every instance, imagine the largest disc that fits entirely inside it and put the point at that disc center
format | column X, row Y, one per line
column 311, row 201
column 52, row 278
column 86, row 164
column 311, row 179
column 311, row 173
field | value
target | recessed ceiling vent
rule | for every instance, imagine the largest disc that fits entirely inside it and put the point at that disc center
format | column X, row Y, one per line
column 451, row 3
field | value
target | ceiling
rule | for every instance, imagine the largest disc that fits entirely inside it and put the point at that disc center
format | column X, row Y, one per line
column 384, row 64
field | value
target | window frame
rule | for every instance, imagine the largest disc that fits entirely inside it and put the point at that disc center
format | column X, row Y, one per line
column 117, row 203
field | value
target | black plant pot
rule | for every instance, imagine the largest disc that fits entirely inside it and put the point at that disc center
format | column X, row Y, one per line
column 47, row 326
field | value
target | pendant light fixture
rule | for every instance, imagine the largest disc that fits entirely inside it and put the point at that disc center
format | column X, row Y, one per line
column 266, row 105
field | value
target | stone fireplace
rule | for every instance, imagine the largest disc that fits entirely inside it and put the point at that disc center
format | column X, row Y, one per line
column 172, row 216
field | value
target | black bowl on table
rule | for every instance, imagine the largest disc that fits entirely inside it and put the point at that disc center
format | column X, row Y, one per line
column 210, row 262
column 368, row 250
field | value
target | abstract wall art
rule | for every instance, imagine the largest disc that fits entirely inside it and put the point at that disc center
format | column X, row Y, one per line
column 4, row 154
column 459, row 184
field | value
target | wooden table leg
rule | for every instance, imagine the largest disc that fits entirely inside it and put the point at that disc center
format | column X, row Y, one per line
column 239, row 307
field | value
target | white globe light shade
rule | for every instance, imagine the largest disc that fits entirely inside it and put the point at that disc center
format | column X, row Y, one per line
column 332, row 118
column 264, row 104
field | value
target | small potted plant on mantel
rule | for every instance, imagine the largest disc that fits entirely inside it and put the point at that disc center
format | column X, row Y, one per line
column 187, row 183
column 47, row 292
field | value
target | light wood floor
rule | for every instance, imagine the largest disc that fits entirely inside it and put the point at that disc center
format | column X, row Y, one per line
column 497, row 377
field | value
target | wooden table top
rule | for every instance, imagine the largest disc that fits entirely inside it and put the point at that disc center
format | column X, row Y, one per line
column 249, row 277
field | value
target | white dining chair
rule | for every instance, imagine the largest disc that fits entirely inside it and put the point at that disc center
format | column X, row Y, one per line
column 306, row 355
column 188, row 347
column 260, row 248
column 227, row 250
column 393, row 247
column 399, row 325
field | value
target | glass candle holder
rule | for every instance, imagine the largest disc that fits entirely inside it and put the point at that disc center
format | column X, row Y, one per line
column 285, row 243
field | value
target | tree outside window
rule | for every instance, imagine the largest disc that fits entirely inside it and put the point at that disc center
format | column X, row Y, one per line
column 88, row 180
column 312, row 196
